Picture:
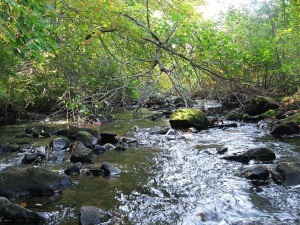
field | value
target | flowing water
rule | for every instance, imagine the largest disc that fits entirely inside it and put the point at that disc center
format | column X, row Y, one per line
column 174, row 179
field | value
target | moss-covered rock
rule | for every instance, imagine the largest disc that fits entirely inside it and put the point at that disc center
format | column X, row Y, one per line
column 246, row 117
column 293, row 118
column 87, row 139
column 233, row 116
column 188, row 117
column 261, row 104
column 271, row 113
column 283, row 129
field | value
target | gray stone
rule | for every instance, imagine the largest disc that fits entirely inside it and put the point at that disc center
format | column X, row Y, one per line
column 91, row 215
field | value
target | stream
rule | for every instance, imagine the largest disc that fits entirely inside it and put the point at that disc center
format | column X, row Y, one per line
column 176, row 178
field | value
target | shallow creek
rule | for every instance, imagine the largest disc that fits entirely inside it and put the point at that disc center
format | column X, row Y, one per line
column 173, row 179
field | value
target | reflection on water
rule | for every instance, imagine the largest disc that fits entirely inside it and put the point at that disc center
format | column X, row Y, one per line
column 179, row 179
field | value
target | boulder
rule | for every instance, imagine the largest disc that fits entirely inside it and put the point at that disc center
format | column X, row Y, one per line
column 261, row 104
column 237, row 158
column 32, row 180
column 189, row 117
column 15, row 214
column 87, row 139
column 59, row 144
column 110, row 170
column 99, row 150
column 257, row 172
column 70, row 133
column 261, row 154
column 33, row 158
column 289, row 172
column 40, row 130
column 90, row 215
column 283, row 129
column 74, row 169
column 4, row 149
column 109, row 138
column 4, row 202
column 80, row 153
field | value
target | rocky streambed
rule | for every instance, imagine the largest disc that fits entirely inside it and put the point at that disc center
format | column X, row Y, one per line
column 143, row 171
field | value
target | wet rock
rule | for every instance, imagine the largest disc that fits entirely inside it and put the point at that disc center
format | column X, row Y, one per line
column 109, row 138
column 261, row 104
column 80, row 153
column 87, row 139
column 261, row 154
column 99, row 150
column 95, row 172
column 275, row 176
column 233, row 116
column 59, row 144
column 172, row 132
column 257, row 172
column 159, row 130
column 289, row 172
column 4, row 202
column 90, row 215
column 15, row 214
column 110, row 170
column 40, row 130
column 70, row 133
column 74, row 169
column 186, row 118
column 222, row 151
column 32, row 180
column 294, row 125
column 128, row 142
column 31, row 158
column 109, row 146
column 5, row 149
column 238, row 158
column 122, row 147
column 283, row 129
column 155, row 117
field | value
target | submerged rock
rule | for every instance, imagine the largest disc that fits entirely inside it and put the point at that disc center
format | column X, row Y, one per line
column 190, row 117
column 261, row 104
column 91, row 215
column 31, row 180
column 109, row 169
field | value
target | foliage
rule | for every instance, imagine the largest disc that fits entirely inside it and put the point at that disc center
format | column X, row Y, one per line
column 83, row 57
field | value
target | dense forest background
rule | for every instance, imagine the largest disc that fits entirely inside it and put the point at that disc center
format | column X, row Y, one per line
column 82, row 57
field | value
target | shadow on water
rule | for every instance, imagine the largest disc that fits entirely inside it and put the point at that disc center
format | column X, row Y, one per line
column 179, row 179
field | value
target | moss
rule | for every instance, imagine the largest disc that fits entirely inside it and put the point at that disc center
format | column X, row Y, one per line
column 271, row 113
column 233, row 116
column 294, row 118
column 261, row 104
column 195, row 115
column 189, row 117
column 246, row 116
